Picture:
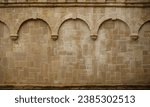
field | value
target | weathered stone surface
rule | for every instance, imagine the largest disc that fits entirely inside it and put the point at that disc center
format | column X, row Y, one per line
column 56, row 43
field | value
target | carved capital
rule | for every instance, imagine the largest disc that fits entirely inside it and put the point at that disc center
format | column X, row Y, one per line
column 134, row 37
column 93, row 37
column 54, row 37
column 14, row 37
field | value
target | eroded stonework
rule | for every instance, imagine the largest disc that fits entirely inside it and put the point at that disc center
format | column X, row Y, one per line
column 68, row 43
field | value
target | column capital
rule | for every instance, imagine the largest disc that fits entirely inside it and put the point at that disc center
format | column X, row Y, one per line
column 14, row 37
column 54, row 37
column 134, row 36
column 93, row 36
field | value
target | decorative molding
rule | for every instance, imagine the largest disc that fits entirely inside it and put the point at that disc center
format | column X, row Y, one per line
column 93, row 37
column 134, row 37
column 54, row 37
column 74, row 4
column 14, row 37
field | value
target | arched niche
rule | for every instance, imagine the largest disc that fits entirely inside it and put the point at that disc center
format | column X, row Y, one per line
column 74, row 49
column 5, row 47
column 144, row 42
column 71, row 20
column 144, row 27
column 71, row 17
column 32, row 19
column 99, row 22
column 4, row 30
column 112, row 51
column 63, row 20
column 31, row 52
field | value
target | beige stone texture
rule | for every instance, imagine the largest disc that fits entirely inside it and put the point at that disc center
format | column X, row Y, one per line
column 56, row 43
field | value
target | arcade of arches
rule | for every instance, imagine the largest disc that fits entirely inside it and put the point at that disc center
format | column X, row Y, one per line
column 67, row 45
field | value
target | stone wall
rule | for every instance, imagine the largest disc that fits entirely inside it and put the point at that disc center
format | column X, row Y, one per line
column 70, row 44
column 92, row 1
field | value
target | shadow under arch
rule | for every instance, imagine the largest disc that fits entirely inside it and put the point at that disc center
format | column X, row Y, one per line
column 66, row 20
column 110, row 19
column 32, row 19
column 5, row 26
column 148, row 21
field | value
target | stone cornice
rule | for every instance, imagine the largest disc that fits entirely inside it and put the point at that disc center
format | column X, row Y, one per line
column 74, row 4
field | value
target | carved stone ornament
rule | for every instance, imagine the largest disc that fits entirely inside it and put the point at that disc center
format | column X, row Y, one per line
column 93, row 37
column 14, row 37
column 54, row 37
column 134, row 37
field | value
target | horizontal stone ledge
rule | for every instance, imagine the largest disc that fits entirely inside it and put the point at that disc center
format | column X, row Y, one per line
column 54, row 37
column 134, row 36
column 90, row 4
column 13, row 37
column 74, row 1
column 82, row 87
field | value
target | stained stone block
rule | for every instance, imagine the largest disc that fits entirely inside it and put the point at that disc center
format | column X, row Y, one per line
column 146, row 59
